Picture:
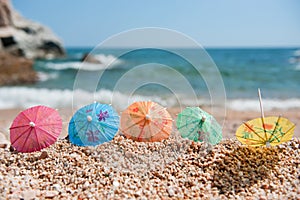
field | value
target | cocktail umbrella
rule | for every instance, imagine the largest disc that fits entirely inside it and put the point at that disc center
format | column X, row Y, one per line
column 270, row 131
column 73, row 134
column 197, row 125
column 93, row 124
column 35, row 128
column 146, row 121
column 265, row 131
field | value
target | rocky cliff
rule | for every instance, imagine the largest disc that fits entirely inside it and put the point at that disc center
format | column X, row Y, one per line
column 16, row 70
column 22, row 37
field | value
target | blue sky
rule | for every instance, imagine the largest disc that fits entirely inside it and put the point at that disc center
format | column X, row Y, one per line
column 215, row 23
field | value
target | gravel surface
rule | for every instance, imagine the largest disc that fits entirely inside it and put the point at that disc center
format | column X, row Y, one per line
column 175, row 168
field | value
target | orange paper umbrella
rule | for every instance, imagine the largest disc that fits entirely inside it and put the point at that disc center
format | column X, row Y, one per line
column 146, row 122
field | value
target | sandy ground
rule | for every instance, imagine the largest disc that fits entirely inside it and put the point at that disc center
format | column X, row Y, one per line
column 175, row 168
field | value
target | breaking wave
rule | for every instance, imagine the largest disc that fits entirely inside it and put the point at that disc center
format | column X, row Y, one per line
column 42, row 76
column 269, row 104
column 23, row 97
column 106, row 62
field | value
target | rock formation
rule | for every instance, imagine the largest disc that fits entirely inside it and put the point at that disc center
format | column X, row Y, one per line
column 90, row 59
column 15, row 70
column 22, row 37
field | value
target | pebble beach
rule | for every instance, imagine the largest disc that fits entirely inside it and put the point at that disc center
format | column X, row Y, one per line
column 173, row 169
column 217, row 59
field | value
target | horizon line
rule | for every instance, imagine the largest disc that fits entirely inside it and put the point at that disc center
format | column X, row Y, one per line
column 192, row 47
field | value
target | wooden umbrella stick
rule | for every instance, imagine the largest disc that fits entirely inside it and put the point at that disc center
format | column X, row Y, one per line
column 262, row 114
column 260, row 103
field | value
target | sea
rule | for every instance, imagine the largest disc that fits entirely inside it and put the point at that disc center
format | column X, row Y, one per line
column 122, row 76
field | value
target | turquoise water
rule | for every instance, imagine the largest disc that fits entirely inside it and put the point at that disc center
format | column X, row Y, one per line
column 242, row 70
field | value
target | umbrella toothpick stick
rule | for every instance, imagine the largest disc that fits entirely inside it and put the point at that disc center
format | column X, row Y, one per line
column 265, row 131
column 260, row 103
column 262, row 116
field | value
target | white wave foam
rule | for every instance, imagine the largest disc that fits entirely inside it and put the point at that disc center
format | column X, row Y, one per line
column 107, row 62
column 23, row 97
column 107, row 59
column 297, row 53
column 297, row 67
column 269, row 104
column 42, row 76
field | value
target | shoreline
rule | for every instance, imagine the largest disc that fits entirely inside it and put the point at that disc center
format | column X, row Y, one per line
column 65, row 98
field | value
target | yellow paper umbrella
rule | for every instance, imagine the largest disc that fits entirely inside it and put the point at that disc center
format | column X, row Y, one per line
column 265, row 131
column 269, row 131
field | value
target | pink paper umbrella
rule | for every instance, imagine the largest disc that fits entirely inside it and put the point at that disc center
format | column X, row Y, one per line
column 35, row 128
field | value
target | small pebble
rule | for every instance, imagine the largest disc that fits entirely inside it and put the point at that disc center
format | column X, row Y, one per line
column 57, row 187
column 51, row 194
column 116, row 184
column 29, row 194
column 171, row 192
column 43, row 155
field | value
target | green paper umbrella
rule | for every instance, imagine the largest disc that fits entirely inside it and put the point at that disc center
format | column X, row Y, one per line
column 197, row 125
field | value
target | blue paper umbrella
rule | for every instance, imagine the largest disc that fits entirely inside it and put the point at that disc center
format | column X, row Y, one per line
column 93, row 124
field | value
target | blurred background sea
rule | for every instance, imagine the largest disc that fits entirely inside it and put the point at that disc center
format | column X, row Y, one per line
column 275, row 70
